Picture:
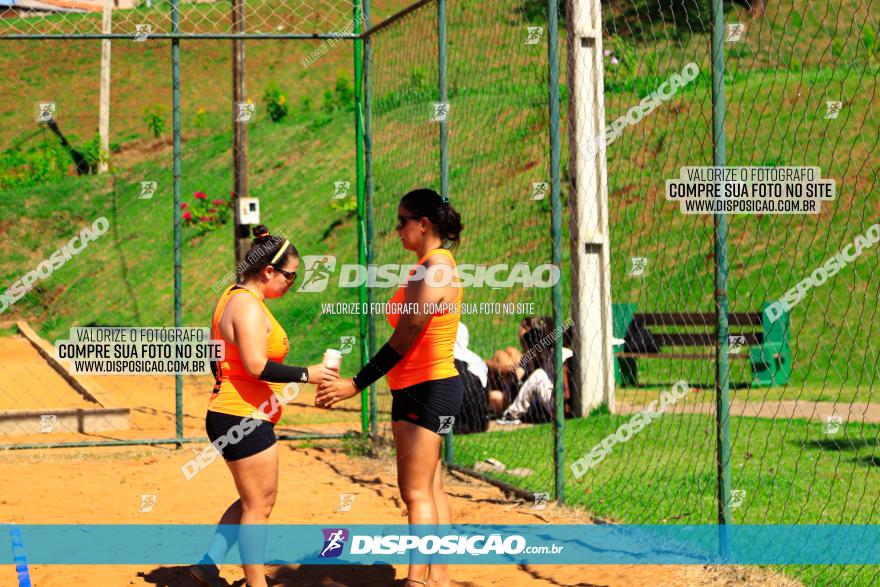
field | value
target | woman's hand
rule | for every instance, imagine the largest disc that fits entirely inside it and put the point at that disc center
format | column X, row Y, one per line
column 320, row 374
column 335, row 391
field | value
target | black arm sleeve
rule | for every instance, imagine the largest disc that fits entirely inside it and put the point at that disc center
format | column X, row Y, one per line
column 275, row 371
column 378, row 366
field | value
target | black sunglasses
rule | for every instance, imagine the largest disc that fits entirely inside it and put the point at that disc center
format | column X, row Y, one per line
column 289, row 276
column 401, row 220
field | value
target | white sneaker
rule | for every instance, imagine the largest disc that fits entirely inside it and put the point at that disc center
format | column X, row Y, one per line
column 505, row 419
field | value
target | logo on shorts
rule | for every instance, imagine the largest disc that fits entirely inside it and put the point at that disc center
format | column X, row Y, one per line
column 446, row 423
column 334, row 540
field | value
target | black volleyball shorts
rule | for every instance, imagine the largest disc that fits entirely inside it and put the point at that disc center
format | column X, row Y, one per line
column 429, row 404
column 245, row 436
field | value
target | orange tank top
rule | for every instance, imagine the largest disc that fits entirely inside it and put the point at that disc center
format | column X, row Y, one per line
column 430, row 357
column 235, row 391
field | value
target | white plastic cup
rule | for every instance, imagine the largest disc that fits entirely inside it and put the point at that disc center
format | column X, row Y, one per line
column 332, row 359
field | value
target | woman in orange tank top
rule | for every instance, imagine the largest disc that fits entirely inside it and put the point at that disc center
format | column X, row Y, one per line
column 418, row 361
column 251, row 385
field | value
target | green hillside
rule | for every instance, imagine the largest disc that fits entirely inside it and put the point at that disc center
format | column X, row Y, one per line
column 498, row 148
column 792, row 60
column 790, row 63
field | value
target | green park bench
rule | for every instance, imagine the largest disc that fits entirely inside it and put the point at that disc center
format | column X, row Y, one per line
column 686, row 335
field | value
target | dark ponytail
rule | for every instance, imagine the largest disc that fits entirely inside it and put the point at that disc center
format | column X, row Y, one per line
column 446, row 219
column 264, row 247
column 538, row 340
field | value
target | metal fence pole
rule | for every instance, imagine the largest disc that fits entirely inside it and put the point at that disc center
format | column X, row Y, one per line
column 177, row 213
column 361, row 204
column 368, row 199
column 444, row 98
column 556, row 235
column 722, row 372
column 449, row 441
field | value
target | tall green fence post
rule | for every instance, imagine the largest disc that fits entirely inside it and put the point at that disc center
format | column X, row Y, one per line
column 368, row 197
column 449, row 454
column 444, row 98
column 722, row 370
column 178, row 234
column 556, row 230
column 361, row 207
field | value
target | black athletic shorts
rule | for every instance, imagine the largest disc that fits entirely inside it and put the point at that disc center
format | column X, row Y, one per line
column 244, row 436
column 429, row 404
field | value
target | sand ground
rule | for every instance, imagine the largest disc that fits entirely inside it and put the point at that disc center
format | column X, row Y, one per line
column 104, row 485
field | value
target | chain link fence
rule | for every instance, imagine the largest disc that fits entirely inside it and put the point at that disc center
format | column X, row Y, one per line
column 298, row 109
column 803, row 417
column 803, row 413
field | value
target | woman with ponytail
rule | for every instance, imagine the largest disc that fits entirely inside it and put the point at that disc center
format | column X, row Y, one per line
column 251, row 385
column 419, row 364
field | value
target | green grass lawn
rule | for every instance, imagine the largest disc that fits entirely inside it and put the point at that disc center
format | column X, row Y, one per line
column 791, row 472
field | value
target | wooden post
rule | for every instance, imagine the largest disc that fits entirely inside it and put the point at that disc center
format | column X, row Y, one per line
column 239, row 142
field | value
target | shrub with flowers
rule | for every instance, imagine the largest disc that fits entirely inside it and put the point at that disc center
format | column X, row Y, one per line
column 621, row 62
column 276, row 102
column 204, row 215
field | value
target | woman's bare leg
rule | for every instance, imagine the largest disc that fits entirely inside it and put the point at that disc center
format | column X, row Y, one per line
column 439, row 574
column 256, row 478
column 418, row 456
column 226, row 534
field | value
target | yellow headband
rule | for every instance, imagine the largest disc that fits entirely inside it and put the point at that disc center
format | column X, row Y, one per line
column 280, row 251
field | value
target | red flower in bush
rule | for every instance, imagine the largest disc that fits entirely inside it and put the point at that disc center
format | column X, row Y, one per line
column 203, row 219
column 183, row 206
column 187, row 216
column 217, row 202
column 212, row 210
column 200, row 196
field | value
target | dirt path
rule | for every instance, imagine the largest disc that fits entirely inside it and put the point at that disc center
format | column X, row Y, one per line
column 105, row 485
column 781, row 410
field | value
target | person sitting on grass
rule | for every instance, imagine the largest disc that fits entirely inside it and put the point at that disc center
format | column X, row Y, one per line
column 535, row 401
column 474, row 413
